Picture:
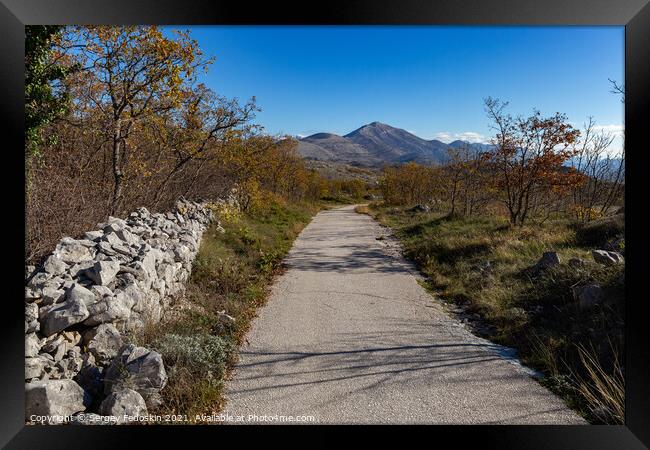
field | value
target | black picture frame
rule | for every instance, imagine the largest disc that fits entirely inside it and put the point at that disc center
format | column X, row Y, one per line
column 633, row 14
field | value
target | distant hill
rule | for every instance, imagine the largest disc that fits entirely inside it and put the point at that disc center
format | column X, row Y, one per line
column 332, row 147
column 607, row 168
column 377, row 144
column 397, row 145
column 474, row 146
column 342, row 171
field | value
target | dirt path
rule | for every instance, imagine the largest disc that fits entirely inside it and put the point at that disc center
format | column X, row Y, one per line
column 349, row 336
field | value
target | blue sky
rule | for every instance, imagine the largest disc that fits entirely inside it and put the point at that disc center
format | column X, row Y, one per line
column 429, row 80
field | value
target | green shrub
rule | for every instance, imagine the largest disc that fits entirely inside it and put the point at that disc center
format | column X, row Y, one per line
column 553, row 287
column 202, row 355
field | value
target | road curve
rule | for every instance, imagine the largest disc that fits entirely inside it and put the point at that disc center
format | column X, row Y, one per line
column 349, row 336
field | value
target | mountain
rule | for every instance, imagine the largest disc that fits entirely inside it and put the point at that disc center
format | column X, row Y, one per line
column 605, row 168
column 397, row 145
column 376, row 144
column 473, row 146
column 332, row 147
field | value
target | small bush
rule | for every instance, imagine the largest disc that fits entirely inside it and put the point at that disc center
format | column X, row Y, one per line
column 202, row 355
column 553, row 286
column 362, row 209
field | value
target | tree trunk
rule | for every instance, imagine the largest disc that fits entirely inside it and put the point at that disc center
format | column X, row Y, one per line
column 453, row 198
column 118, row 175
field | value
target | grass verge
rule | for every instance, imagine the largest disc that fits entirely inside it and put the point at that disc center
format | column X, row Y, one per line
column 198, row 339
column 483, row 267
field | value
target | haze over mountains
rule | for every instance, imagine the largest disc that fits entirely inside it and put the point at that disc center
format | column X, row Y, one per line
column 377, row 144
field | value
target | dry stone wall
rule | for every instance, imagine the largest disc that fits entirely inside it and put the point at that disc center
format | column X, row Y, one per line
column 88, row 294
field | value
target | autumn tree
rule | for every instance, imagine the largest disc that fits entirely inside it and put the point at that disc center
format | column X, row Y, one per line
column 465, row 180
column 317, row 185
column 265, row 168
column 200, row 129
column 604, row 171
column 454, row 171
column 529, row 156
column 410, row 183
column 140, row 130
column 131, row 73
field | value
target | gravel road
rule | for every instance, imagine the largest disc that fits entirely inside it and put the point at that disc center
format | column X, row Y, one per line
column 349, row 336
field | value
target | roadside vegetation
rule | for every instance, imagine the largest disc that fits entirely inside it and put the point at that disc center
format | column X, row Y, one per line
column 117, row 120
column 349, row 191
column 484, row 270
column 505, row 238
column 230, row 278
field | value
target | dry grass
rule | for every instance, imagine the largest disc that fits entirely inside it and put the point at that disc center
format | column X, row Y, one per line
column 484, row 266
column 603, row 390
column 362, row 209
column 231, row 273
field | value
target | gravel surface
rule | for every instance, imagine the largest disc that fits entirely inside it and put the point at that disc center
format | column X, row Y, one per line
column 349, row 336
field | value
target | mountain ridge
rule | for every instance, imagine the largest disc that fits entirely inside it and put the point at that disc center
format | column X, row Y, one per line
column 377, row 144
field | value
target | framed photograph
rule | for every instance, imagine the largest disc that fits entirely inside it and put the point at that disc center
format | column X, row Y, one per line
column 365, row 213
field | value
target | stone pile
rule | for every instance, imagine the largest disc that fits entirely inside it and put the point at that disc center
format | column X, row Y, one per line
column 91, row 292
